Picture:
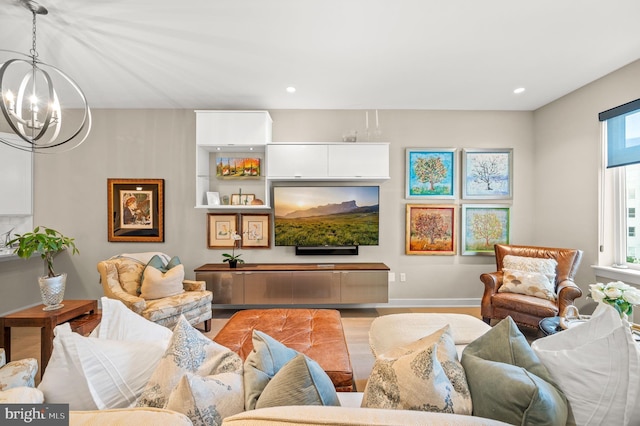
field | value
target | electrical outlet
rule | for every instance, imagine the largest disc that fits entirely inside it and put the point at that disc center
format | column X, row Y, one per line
column 403, row 277
column 392, row 277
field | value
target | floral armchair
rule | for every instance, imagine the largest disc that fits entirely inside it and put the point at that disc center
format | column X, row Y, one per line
column 121, row 278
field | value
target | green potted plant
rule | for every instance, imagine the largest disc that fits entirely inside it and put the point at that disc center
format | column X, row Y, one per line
column 47, row 243
column 233, row 258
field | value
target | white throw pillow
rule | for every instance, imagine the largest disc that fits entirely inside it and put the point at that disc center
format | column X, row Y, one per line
column 531, row 264
column 89, row 373
column 597, row 366
column 529, row 283
column 120, row 323
column 157, row 284
column 188, row 352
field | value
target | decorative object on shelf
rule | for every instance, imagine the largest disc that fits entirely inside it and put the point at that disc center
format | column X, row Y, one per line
column 33, row 110
column 350, row 136
column 213, row 198
column 431, row 173
column 220, row 230
column 135, row 208
column 621, row 296
column 47, row 242
column 487, row 173
column 237, row 167
column 242, row 199
column 431, row 229
column 256, row 231
column 483, row 226
column 233, row 258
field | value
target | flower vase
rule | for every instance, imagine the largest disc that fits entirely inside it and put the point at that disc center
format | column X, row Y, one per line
column 52, row 291
column 233, row 264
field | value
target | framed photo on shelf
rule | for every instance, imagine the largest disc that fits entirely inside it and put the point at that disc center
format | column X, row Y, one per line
column 487, row 174
column 431, row 173
column 220, row 230
column 484, row 225
column 256, row 231
column 242, row 199
column 135, row 210
column 431, row 229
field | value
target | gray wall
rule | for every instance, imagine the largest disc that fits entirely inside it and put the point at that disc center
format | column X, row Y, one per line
column 555, row 188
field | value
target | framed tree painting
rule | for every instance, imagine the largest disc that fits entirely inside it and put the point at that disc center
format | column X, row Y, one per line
column 431, row 229
column 483, row 226
column 221, row 229
column 256, row 231
column 431, row 173
column 487, row 173
column 135, row 209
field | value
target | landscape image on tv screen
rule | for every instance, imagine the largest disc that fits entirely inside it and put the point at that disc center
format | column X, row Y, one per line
column 315, row 216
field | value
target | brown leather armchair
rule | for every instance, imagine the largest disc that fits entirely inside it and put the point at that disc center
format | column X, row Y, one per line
column 529, row 310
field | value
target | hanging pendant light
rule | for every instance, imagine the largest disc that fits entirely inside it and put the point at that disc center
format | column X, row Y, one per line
column 32, row 95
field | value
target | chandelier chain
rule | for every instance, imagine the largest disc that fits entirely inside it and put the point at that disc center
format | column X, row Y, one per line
column 34, row 52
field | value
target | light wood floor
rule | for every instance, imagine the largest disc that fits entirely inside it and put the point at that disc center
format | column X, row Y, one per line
column 25, row 341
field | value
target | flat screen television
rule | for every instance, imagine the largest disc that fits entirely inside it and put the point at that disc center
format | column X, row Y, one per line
column 326, row 216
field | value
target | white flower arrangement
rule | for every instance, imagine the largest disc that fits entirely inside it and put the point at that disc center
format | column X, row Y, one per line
column 621, row 296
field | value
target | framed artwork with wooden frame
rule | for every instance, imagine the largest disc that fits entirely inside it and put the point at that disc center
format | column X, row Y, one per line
column 431, row 173
column 487, row 174
column 431, row 229
column 483, row 226
column 135, row 209
column 256, row 231
column 242, row 199
column 220, row 230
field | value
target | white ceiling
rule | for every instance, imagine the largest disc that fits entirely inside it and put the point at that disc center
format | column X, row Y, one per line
column 339, row 54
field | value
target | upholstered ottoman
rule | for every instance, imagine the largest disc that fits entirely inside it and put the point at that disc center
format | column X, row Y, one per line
column 390, row 331
column 317, row 333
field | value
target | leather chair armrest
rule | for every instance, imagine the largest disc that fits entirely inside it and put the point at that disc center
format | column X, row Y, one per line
column 568, row 291
column 492, row 281
column 191, row 285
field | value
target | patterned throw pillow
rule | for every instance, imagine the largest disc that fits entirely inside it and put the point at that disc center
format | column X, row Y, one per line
column 531, row 264
column 529, row 283
column 424, row 376
column 191, row 354
column 18, row 373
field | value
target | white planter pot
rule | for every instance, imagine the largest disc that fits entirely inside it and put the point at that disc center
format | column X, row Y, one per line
column 52, row 291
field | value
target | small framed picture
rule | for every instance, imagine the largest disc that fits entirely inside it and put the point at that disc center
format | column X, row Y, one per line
column 256, row 231
column 487, row 174
column 431, row 173
column 135, row 210
column 431, row 229
column 220, row 230
column 242, row 199
column 213, row 198
column 483, row 226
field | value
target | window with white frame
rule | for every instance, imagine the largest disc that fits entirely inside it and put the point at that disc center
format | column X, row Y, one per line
column 622, row 142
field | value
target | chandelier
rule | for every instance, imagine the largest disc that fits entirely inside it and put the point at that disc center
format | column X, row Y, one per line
column 32, row 92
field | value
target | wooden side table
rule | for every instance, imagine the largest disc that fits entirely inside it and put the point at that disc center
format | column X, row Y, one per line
column 47, row 321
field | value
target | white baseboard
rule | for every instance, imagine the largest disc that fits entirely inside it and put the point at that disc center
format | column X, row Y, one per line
column 432, row 303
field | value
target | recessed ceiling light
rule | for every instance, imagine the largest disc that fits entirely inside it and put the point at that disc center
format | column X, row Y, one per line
column 291, row 89
column 519, row 90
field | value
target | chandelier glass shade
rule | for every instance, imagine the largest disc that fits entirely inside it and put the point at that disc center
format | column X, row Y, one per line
column 33, row 93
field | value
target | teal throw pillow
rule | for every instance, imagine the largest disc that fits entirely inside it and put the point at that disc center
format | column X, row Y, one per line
column 300, row 381
column 508, row 382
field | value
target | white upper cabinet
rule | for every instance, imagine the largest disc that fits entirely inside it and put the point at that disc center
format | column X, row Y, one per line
column 16, row 175
column 328, row 161
column 225, row 128
column 296, row 160
column 227, row 138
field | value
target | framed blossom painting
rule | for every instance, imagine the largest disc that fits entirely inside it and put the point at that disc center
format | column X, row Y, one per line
column 431, row 229
column 431, row 173
column 483, row 226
